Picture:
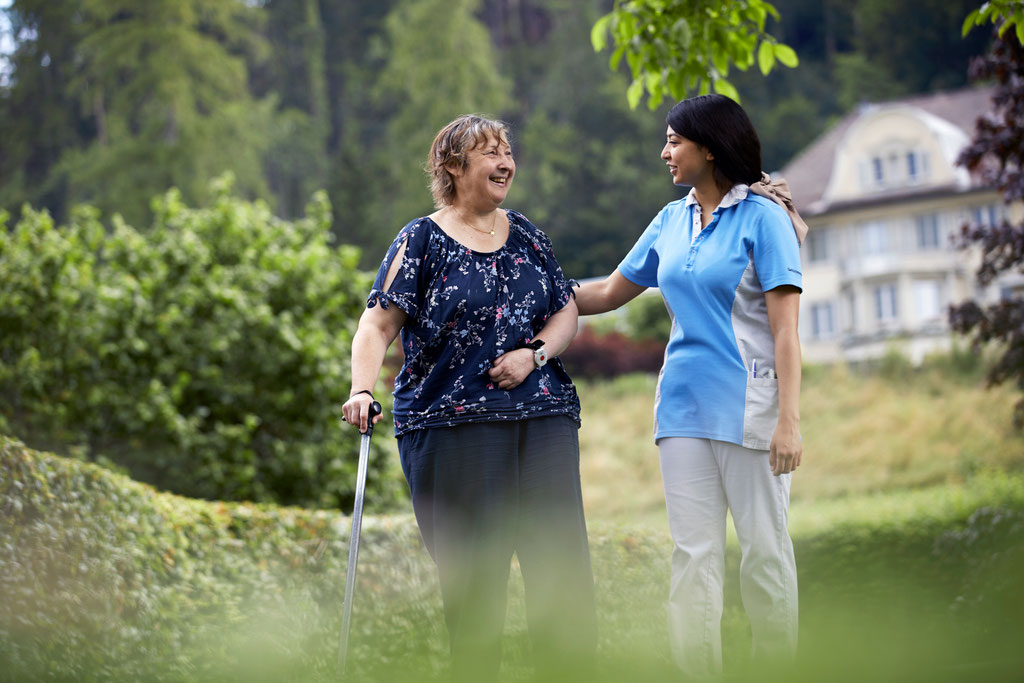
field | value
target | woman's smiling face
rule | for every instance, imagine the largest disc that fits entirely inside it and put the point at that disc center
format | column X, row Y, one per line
column 488, row 174
column 688, row 162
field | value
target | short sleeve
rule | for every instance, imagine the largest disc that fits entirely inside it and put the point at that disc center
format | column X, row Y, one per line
column 561, row 288
column 641, row 263
column 407, row 289
column 776, row 250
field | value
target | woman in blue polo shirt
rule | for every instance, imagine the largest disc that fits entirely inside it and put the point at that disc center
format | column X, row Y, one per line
column 727, row 417
column 485, row 415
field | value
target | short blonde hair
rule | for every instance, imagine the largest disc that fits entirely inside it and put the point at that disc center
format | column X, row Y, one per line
column 453, row 144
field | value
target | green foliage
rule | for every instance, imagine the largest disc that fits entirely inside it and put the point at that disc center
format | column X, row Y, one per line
column 102, row 578
column 1005, row 14
column 110, row 102
column 919, row 55
column 425, row 84
column 674, row 48
column 587, row 174
column 850, row 53
column 40, row 118
column 208, row 354
column 165, row 81
column 294, row 72
column 860, row 79
column 648, row 319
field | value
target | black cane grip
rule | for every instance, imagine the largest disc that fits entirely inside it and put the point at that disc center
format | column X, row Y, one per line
column 375, row 410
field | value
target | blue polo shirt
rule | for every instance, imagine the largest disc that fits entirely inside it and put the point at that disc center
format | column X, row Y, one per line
column 713, row 282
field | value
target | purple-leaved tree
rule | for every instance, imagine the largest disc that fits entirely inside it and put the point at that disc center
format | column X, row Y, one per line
column 997, row 153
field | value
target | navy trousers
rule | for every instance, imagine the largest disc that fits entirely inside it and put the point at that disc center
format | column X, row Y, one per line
column 483, row 491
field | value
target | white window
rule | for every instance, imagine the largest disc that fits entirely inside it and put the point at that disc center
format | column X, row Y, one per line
column 893, row 169
column 819, row 245
column 928, row 235
column 877, row 172
column 886, row 303
column 987, row 215
column 894, row 164
column 928, row 300
column 874, row 237
column 917, row 165
column 822, row 320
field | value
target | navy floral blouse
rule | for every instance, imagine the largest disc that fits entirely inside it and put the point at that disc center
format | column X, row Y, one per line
column 465, row 309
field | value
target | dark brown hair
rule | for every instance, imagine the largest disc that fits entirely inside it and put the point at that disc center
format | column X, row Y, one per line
column 721, row 125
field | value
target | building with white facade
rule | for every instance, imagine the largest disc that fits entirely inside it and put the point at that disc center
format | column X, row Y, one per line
column 883, row 198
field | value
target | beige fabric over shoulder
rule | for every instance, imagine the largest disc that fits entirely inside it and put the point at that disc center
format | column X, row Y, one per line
column 778, row 192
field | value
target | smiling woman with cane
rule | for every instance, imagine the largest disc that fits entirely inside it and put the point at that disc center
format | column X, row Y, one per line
column 485, row 415
column 727, row 416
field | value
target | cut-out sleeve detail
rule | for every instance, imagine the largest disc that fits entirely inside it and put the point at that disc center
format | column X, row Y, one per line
column 406, row 290
column 465, row 309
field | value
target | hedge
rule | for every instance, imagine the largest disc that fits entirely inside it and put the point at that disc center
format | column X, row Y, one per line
column 207, row 353
column 104, row 578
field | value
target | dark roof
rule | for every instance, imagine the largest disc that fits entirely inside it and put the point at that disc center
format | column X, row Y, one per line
column 808, row 174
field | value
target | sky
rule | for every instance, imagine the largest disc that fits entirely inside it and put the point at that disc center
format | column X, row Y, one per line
column 6, row 40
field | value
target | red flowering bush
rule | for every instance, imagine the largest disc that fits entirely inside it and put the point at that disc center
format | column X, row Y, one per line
column 592, row 354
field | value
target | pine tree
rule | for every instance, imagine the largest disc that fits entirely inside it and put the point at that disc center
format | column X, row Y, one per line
column 39, row 117
column 166, row 86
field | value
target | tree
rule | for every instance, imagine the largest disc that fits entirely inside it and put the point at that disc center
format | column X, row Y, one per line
column 166, row 86
column 997, row 152
column 293, row 71
column 441, row 64
column 39, row 117
column 922, row 56
column 675, row 47
column 589, row 174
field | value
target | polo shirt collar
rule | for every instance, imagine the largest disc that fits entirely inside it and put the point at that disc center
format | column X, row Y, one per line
column 734, row 196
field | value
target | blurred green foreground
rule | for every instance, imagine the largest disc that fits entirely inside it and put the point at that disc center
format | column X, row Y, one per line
column 103, row 578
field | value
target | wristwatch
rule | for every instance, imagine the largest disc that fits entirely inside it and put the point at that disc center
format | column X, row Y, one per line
column 540, row 355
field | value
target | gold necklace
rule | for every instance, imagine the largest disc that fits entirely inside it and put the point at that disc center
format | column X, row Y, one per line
column 494, row 220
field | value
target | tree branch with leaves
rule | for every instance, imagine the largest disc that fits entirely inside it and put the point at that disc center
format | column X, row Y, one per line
column 1005, row 14
column 674, row 48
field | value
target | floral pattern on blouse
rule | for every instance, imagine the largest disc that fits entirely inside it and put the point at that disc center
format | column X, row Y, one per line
column 465, row 309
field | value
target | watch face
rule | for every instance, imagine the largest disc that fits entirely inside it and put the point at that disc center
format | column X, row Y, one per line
column 540, row 357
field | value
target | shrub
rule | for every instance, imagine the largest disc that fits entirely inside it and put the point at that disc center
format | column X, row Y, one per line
column 647, row 319
column 608, row 355
column 207, row 354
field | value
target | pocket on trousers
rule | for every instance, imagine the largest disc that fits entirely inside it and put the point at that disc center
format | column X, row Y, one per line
column 760, row 412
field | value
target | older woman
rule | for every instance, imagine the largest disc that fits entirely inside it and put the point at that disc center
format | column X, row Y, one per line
column 485, row 415
column 727, row 420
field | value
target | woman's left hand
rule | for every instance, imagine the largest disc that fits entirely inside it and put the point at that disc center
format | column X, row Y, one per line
column 786, row 450
column 510, row 369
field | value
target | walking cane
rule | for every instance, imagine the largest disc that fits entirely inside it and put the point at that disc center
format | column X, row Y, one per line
column 353, row 544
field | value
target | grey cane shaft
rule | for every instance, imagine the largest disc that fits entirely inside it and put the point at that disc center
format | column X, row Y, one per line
column 353, row 551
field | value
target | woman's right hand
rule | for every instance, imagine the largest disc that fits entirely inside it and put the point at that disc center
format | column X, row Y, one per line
column 356, row 411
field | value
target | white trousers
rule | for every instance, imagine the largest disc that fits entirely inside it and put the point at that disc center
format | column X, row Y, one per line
column 704, row 478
